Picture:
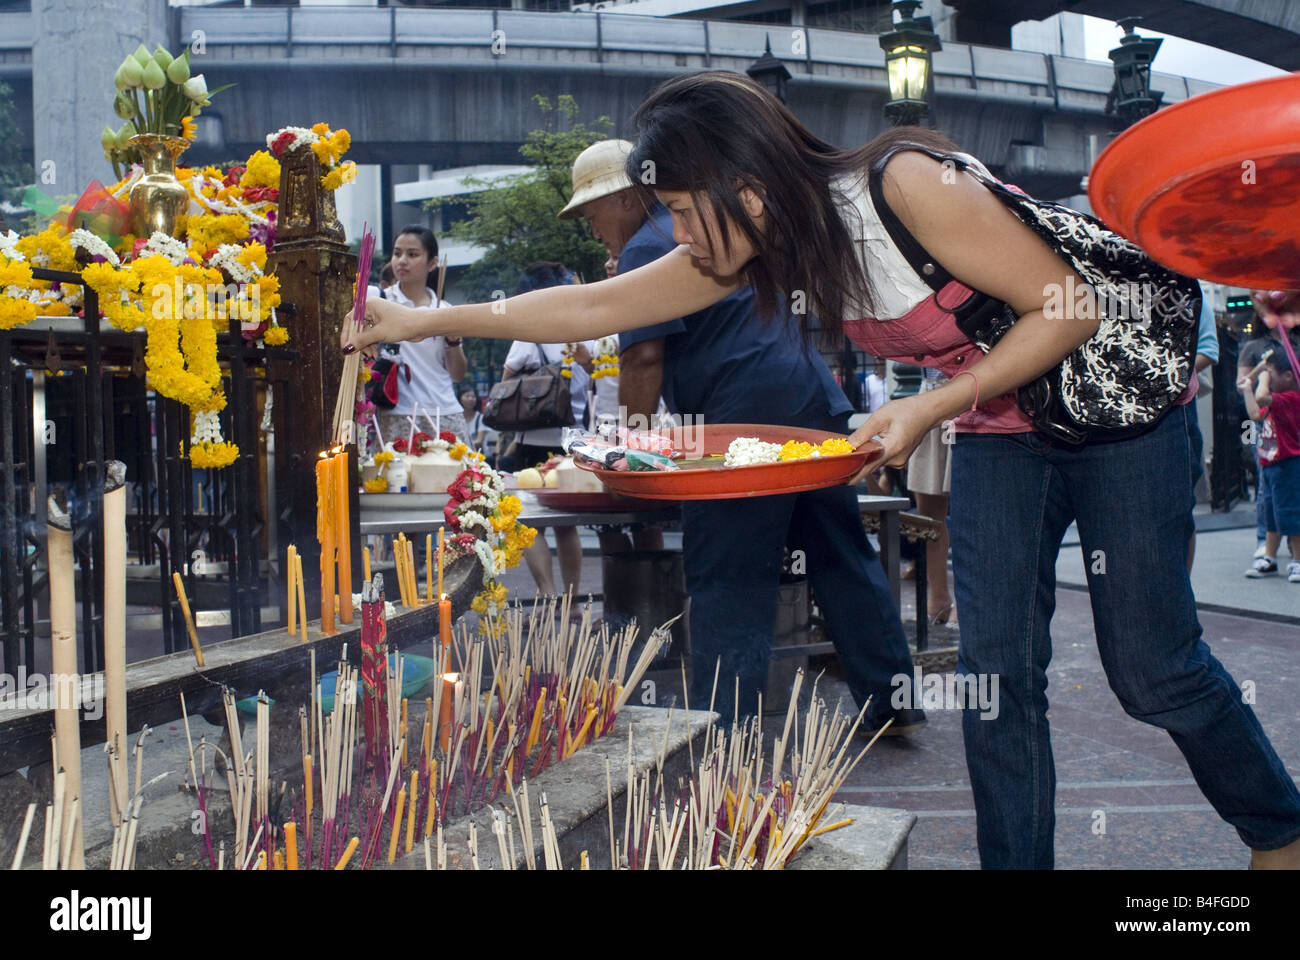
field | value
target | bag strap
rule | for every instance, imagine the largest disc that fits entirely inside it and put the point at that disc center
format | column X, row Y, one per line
column 917, row 256
column 541, row 353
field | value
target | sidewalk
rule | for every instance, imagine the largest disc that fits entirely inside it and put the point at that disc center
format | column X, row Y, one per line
column 1223, row 554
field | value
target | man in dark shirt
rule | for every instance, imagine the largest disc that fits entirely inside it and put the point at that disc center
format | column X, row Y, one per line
column 726, row 365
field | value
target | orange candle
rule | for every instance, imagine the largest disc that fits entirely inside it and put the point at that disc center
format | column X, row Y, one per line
column 347, row 854
column 343, row 534
column 291, row 601
column 325, row 492
column 291, row 845
column 365, row 563
column 397, row 825
column 440, row 552
column 444, row 630
column 428, row 566
column 446, row 710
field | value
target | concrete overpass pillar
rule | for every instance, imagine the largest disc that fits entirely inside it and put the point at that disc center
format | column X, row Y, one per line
column 77, row 48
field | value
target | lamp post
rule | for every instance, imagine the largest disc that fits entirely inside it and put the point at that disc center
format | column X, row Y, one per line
column 1131, row 98
column 908, row 50
column 770, row 72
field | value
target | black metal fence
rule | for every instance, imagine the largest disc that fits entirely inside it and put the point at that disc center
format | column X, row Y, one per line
column 75, row 397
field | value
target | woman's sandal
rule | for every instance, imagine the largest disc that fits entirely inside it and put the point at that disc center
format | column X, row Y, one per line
column 945, row 618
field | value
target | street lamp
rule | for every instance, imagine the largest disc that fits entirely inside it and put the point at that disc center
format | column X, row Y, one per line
column 1131, row 97
column 770, row 72
column 907, row 63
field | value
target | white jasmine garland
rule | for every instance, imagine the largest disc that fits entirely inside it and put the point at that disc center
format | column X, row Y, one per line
column 93, row 245
column 227, row 258
column 169, row 247
column 486, row 558
column 746, row 451
column 9, row 246
column 301, row 135
column 207, row 428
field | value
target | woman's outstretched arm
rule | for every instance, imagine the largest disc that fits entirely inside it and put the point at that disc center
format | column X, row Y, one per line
column 670, row 287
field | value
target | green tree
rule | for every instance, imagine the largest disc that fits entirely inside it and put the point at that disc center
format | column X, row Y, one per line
column 514, row 219
column 16, row 174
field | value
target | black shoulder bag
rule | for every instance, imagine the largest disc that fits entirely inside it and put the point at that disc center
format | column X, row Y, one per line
column 532, row 401
column 1134, row 369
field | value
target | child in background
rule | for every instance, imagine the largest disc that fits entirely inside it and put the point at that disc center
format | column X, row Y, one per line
column 1276, row 404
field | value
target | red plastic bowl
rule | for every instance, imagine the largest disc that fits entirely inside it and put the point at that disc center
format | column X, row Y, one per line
column 1210, row 187
column 726, row 483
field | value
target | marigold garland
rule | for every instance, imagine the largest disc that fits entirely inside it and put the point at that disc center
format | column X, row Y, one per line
column 172, row 288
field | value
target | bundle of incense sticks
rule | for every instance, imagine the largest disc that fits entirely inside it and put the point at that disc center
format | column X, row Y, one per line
column 730, row 814
column 374, row 670
column 534, row 690
column 734, row 814
column 345, row 404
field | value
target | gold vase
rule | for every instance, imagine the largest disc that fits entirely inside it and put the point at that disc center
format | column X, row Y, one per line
column 158, row 199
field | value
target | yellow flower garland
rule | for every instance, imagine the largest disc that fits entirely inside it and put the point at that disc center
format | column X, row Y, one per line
column 15, row 311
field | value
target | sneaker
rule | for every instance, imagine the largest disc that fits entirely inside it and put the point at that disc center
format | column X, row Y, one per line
column 1293, row 571
column 1261, row 550
column 1263, row 567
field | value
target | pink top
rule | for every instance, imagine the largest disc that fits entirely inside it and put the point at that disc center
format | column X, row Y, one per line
column 928, row 336
column 923, row 333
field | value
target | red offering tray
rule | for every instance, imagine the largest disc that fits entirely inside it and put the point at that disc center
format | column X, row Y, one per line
column 1210, row 187
column 590, row 501
column 716, row 482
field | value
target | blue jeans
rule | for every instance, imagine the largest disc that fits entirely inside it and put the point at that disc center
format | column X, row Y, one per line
column 1012, row 499
column 731, row 554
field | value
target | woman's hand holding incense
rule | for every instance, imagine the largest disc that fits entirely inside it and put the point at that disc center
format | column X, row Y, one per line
column 386, row 322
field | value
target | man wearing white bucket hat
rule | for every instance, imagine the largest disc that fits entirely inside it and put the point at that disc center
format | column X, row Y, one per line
column 721, row 365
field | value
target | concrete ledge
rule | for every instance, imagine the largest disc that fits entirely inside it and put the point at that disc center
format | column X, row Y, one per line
column 575, row 791
column 876, row 840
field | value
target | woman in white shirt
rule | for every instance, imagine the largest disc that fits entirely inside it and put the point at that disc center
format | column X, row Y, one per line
column 536, row 446
column 429, row 368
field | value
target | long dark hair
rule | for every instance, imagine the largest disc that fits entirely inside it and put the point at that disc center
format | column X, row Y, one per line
column 714, row 131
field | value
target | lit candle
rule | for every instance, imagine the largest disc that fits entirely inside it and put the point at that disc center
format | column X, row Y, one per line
column 343, row 534
column 447, row 710
column 444, row 630
column 428, row 567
